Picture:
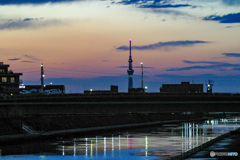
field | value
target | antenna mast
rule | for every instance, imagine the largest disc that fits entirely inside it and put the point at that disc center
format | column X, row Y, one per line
column 42, row 78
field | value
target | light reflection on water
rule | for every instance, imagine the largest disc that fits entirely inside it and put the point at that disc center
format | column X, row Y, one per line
column 149, row 143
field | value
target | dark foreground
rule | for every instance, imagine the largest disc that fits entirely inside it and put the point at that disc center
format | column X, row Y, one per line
column 231, row 144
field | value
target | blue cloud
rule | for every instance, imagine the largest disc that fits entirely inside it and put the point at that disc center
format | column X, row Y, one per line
column 160, row 45
column 232, row 54
column 14, row 59
column 31, row 57
column 191, row 68
column 28, row 61
column 236, row 69
column 220, row 66
column 223, row 64
column 187, row 76
column 229, row 18
column 164, row 6
column 10, row 2
column 28, row 19
column 203, row 62
column 231, row 2
column 153, row 4
column 157, row 6
column 28, row 23
column 169, row 11
column 128, row 2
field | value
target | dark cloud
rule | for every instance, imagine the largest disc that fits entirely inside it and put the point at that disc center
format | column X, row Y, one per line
column 203, row 62
column 31, row 57
column 28, row 61
column 153, row 4
column 164, row 6
column 191, row 68
column 187, row 76
column 232, row 54
column 158, row 6
column 128, row 2
column 28, row 19
column 160, row 45
column 11, row 2
column 229, row 18
column 216, row 65
column 220, row 66
column 14, row 59
column 231, row 2
column 169, row 12
column 236, row 69
column 27, row 23
column 136, row 67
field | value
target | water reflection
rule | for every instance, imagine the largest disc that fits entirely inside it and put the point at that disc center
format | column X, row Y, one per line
column 182, row 138
column 146, row 146
column 163, row 141
column 192, row 136
column 96, row 145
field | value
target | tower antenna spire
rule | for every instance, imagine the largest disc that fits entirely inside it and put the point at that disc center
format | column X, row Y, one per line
column 130, row 70
column 130, row 47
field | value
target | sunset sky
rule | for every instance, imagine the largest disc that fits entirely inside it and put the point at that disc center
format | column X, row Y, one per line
column 83, row 44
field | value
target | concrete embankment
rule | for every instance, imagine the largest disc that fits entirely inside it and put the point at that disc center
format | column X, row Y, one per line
column 50, row 122
column 17, row 138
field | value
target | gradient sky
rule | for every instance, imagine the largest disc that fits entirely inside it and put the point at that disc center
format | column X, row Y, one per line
column 83, row 44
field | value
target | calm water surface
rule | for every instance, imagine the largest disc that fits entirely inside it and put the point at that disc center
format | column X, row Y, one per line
column 159, row 142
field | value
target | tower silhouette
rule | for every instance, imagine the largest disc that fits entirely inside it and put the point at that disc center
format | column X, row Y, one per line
column 130, row 70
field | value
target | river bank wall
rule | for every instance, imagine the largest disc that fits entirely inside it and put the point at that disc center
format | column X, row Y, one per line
column 50, row 130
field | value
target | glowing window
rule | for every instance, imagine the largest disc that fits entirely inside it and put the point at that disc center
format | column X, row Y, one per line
column 12, row 80
column 1, row 70
column 4, row 79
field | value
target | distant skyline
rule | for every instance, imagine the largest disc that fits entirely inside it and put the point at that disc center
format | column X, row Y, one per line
column 83, row 44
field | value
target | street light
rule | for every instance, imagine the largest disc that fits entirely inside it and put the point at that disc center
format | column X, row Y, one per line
column 146, row 89
column 142, row 74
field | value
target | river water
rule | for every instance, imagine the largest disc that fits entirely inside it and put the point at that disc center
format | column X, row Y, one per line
column 158, row 142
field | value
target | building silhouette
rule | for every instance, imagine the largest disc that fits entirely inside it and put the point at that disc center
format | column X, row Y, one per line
column 184, row 87
column 113, row 90
column 9, row 81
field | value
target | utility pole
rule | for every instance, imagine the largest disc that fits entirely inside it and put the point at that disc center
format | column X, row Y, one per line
column 142, row 75
column 42, row 78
